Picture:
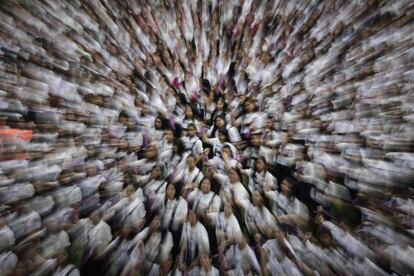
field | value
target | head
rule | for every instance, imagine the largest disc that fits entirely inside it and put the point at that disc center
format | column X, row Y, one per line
column 95, row 217
column 234, row 175
column 287, row 186
column 270, row 124
column 325, row 237
column 192, row 217
column 126, row 231
column 223, row 135
column 255, row 140
column 156, row 172
column 188, row 112
column 221, row 104
column 228, row 209
column 260, row 164
column 191, row 162
column 62, row 258
column 220, row 122
column 155, row 224
column 205, row 185
column 159, row 123
column 228, row 151
column 151, row 152
column 171, row 191
column 257, row 199
column 178, row 146
column 191, row 130
column 249, row 105
column 169, row 136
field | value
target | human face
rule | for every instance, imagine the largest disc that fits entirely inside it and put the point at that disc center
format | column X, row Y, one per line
column 150, row 153
column 169, row 136
column 255, row 140
column 286, row 188
column 189, row 112
column 61, row 258
column 158, row 123
column 260, row 165
column 190, row 162
column 257, row 199
column 170, row 191
column 249, row 106
column 222, row 137
column 206, row 186
column 191, row 132
column 192, row 218
column 234, row 177
column 269, row 124
column 220, row 104
column 94, row 217
column 219, row 122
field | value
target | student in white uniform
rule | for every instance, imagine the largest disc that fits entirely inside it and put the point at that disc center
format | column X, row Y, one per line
column 98, row 234
column 64, row 268
column 286, row 207
column 205, row 268
column 205, row 202
column 192, row 143
column 228, row 229
column 258, row 218
column 130, row 209
column 260, row 177
column 231, row 189
column 192, row 176
column 194, row 242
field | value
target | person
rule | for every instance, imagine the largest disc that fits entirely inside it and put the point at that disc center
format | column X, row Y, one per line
column 129, row 210
column 285, row 206
column 193, row 144
column 191, row 176
column 64, row 268
column 194, row 242
column 258, row 218
column 99, row 235
column 228, row 229
column 260, row 177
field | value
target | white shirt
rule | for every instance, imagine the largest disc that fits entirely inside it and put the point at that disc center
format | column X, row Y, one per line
column 259, row 217
column 54, row 243
column 209, row 202
column 175, row 213
column 195, row 176
column 227, row 228
column 69, row 270
column 284, row 206
column 99, row 236
column 193, row 145
column 195, row 239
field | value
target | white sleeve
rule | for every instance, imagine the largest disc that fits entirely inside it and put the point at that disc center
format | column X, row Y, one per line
column 198, row 148
column 234, row 135
column 203, row 243
column 181, row 213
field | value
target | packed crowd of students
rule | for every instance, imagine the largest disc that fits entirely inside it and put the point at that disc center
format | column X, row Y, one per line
column 240, row 137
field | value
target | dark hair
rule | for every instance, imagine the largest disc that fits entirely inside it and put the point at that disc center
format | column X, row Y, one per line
column 213, row 132
column 180, row 146
column 164, row 122
column 228, row 147
column 192, row 125
column 176, row 195
column 224, row 132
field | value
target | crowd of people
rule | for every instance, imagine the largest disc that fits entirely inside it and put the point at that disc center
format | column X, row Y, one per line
column 240, row 137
